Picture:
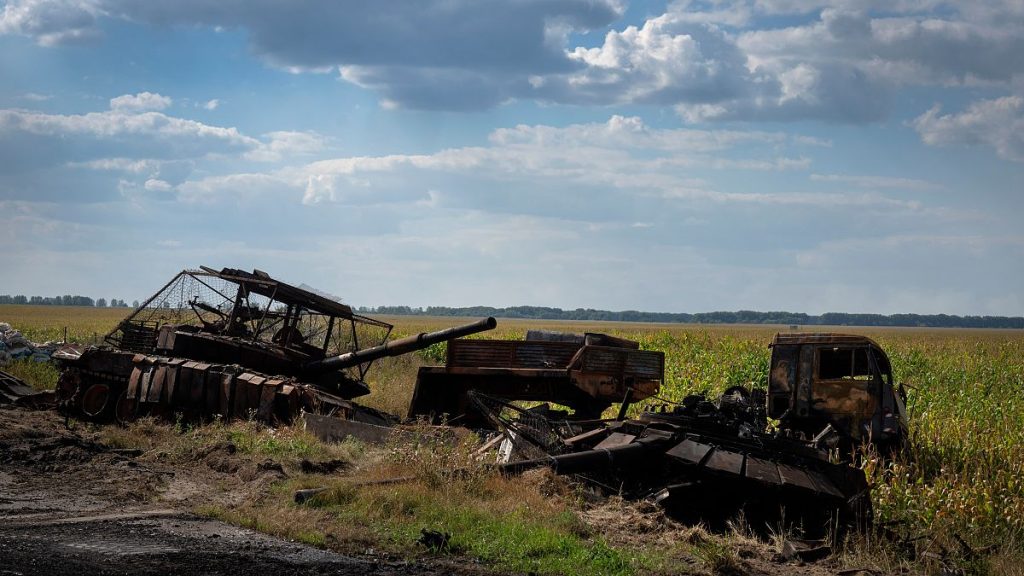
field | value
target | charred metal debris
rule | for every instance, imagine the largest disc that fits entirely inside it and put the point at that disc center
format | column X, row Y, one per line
column 705, row 460
column 236, row 344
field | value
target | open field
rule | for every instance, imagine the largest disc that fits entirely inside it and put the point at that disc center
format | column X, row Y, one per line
column 964, row 479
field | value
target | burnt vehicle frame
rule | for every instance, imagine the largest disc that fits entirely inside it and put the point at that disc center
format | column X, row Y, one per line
column 232, row 343
column 828, row 394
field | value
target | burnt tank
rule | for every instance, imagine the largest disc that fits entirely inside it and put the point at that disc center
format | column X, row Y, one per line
column 784, row 455
column 234, row 344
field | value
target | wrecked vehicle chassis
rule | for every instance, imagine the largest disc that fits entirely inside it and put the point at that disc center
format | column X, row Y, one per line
column 700, row 470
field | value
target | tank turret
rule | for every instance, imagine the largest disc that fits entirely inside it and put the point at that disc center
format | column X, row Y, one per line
column 234, row 343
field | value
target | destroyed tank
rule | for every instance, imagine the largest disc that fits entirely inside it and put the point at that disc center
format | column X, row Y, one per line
column 827, row 396
column 234, row 344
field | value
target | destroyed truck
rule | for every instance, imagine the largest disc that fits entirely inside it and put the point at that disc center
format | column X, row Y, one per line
column 231, row 343
column 827, row 395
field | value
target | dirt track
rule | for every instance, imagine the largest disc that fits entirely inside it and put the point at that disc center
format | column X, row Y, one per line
column 69, row 505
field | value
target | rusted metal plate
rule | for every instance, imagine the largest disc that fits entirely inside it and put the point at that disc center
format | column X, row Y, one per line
column 267, row 394
column 763, row 470
column 240, row 404
column 171, row 384
column 792, row 476
column 144, row 383
column 184, row 388
column 800, row 338
column 615, row 439
column 213, row 379
column 823, row 484
column 585, row 436
column 254, row 392
column 227, row 388
column 510, row 353
column 646, row 364
column 690, row 451
column 726, row 461
column 133, row 383
column 330, row 429
column 156, row 388
column 603, row 360
column 197, row 390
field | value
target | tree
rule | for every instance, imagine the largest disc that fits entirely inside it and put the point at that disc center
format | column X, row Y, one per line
column 135, row 303
column 101, row 303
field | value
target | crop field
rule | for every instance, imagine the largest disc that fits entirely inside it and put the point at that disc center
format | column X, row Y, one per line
column 962, row 481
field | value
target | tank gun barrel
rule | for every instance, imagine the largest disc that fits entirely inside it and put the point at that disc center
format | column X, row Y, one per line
column 398, row 347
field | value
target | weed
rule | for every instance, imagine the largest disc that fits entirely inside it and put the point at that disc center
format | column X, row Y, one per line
column 39, row 375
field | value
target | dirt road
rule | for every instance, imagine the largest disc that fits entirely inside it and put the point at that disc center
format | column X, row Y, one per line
column 70, row 505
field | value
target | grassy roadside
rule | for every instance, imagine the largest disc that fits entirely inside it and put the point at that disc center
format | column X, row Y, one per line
column 537, row 523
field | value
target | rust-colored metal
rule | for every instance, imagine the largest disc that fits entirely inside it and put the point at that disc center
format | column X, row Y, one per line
column 840, row 380
column 587, row 373
column 235, row 344
column 709, row 461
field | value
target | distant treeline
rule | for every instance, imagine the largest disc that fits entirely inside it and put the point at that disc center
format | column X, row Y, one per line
column 740, row 317
column 63, row 301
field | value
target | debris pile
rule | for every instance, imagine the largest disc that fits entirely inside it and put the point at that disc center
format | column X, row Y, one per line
column 703, row 460
column 15, row 346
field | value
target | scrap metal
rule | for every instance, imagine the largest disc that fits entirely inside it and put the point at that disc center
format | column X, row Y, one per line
column 828, row 395
column 231, row 343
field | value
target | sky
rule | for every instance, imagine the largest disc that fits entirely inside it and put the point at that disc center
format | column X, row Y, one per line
column 685, row 156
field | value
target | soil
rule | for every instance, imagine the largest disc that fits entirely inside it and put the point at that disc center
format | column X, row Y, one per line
column 70, row 505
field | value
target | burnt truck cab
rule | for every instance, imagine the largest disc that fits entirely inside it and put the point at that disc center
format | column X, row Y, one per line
column 840, row 381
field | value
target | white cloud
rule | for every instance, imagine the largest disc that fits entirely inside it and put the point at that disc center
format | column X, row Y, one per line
column 238, row 189
column 319, row 188
column 154, row 185
column 286, row 144
column 211, row 104
column 863, row 181
column 139, row 102
column 622, row 154
column 36, row 97
column 51, row 22
column 997, row 123
column 123, row 120
column 119, row 164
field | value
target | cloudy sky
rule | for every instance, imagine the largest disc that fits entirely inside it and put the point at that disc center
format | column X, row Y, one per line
column 849, row 156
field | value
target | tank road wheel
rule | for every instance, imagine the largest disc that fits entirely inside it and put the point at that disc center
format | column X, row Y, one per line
column 125, row 411
column 69, row 389
column 95, row 400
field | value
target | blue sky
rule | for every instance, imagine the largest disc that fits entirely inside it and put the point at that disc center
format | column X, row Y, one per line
column 794, row 155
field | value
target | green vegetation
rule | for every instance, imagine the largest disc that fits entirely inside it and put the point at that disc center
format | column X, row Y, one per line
column 46, row 323
column 963, row 479
column 39, row 375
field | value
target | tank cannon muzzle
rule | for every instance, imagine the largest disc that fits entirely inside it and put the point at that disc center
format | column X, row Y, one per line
column 398, row 347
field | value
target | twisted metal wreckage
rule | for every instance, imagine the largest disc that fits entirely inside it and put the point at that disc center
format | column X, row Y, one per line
column 231, row 343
